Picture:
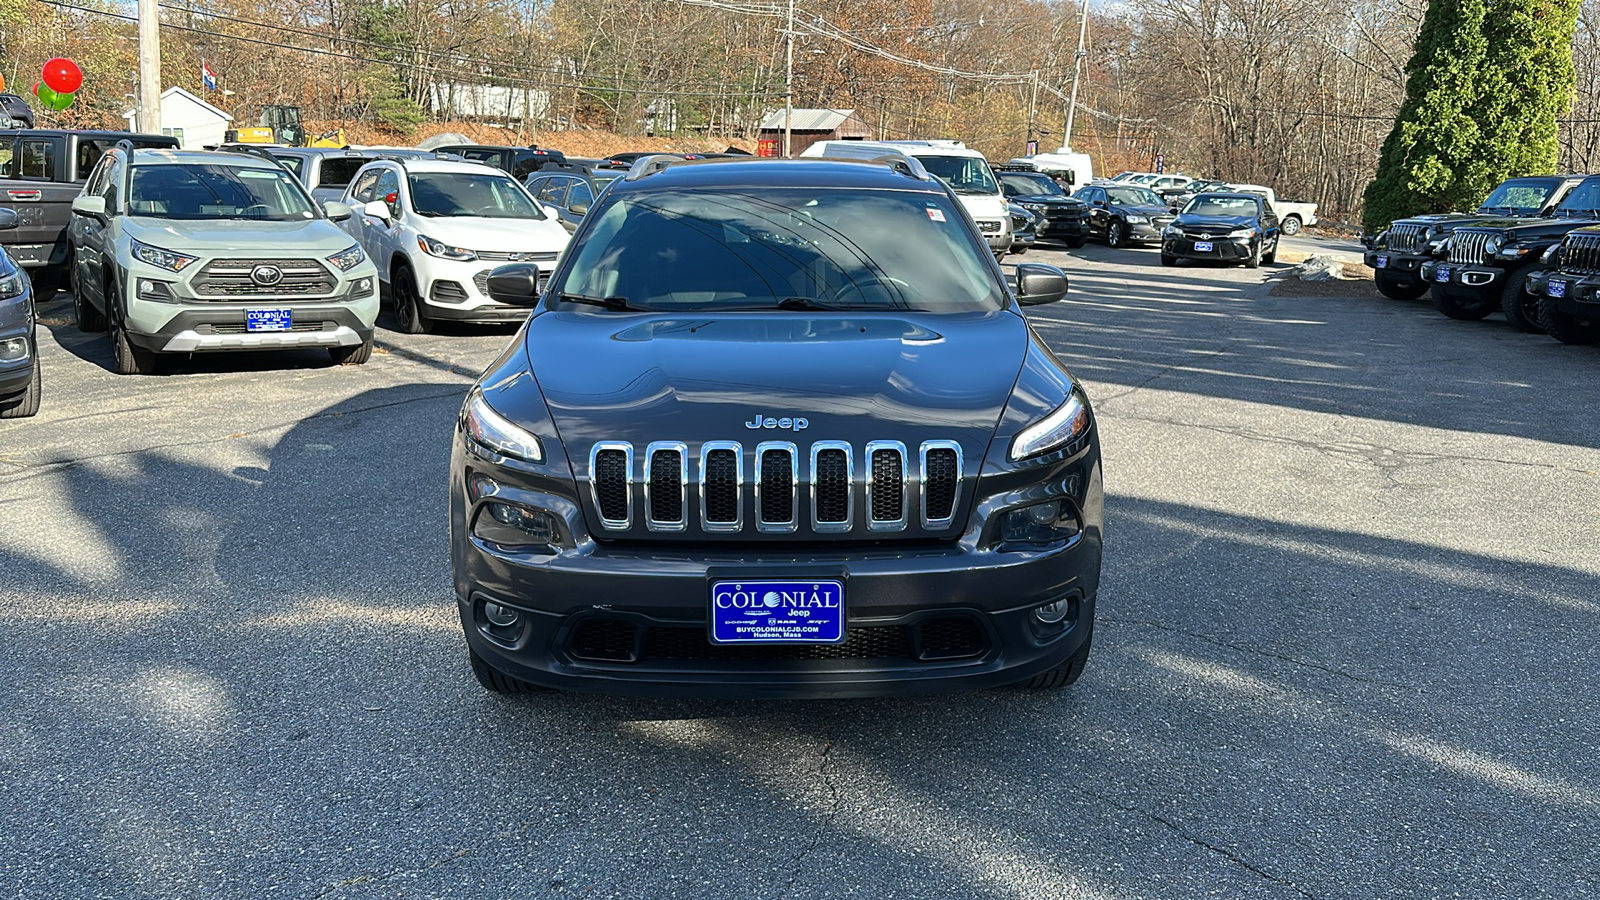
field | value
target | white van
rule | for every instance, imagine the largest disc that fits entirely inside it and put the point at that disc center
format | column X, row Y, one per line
column 964, row 170
column 1073, row 168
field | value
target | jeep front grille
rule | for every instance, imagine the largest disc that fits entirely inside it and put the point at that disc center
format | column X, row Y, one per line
column 1405, row 238
column 1580, row 253
column 225, row 278
column 1469, row 247
column 817, row 485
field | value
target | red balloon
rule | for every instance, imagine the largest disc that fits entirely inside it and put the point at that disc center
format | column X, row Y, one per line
column 62, row 75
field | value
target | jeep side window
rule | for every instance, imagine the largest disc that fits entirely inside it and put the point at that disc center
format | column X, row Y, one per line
column 36, row 159
column 526, row 166
column 7, row 151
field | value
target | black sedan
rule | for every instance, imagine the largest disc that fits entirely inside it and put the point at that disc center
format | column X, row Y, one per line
column 1124, row 215
column 1229, row 227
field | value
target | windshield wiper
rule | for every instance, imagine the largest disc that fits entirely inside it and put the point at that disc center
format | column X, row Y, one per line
column 803, row 303
column 619, row 304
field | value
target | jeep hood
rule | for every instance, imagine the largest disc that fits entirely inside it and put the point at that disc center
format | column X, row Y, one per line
column 854, row 377
column 1531, row 228
column 249, row 237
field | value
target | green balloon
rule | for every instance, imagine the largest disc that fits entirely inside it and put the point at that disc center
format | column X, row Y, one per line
column 52, row 99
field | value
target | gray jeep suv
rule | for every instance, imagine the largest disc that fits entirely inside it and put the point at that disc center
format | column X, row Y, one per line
column 776, row 428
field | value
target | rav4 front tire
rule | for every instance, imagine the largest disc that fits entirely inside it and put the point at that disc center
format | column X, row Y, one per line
column 352, row 356
column 126, row 358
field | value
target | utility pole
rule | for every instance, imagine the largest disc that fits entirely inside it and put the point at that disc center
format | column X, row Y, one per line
column 1033, row 103
column 1077, row 72
column 149, row 66
column 788, row 81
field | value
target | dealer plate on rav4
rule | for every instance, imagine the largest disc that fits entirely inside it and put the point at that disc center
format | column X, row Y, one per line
column 266, row 320
column 1442, row 274
column 763, row 611
column 1555, row 288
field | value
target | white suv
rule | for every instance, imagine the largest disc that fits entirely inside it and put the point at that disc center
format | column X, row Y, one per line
column 437, row 228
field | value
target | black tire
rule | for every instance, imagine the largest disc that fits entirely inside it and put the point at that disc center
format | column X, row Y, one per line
column 126, row 358
column 352, row 356
column 46, row 282
column 1168, row 260
column 1395, row 291
column 1114, row 234
column 90, row 320
column 1566, row 328
column 28, row 404
column 1018, row 251
column 1077, row 243
column 1253, row 261
column 1063, row 675
column 1291, row 225
column 1521, row 308
column 1271, row 257
column 496, row 681
column 1456, row 304
column 407, row 303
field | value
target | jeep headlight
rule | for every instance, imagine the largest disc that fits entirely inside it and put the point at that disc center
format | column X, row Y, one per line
column 1493, row 243
column 1138, row 220
column 161, row 259
column 496, row 433
column 345, row 260
column 1069, row 422
column 443, row 250
column 13, row 285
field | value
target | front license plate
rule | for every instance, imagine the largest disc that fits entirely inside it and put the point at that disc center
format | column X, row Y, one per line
column 1383, row 262
column 777, row 612
column 1554, row 288
column 266, row 320
column 1442, row 274
column 1202, row 246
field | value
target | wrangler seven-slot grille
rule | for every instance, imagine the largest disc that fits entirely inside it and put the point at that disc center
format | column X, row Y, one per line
column 1405, row 238
column 1469, row 247
column 788, row 485
column 1580, row 253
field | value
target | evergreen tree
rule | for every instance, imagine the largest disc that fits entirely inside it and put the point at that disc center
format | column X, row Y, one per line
column 1435, row 136
column 1526, row 85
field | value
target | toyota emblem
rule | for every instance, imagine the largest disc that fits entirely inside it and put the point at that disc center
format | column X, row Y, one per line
column 266, row 276
column 1204, row 236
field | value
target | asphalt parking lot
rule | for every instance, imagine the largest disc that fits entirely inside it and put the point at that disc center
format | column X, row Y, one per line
column 1345, row 643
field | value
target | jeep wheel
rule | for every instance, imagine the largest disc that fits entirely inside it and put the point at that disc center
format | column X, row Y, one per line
column 28, row 403
column 126, row 359
column 352, row 356
column 407, row 304
column 1114, row 234
column 1520, row 307
column 1566, row 328
column 1394, row 290
column 1291, row 226
column 496, row 681
column 1458, row 304
column 1063, row 675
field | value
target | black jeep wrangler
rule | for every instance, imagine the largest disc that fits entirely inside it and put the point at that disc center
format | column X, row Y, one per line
column 1567, row 290
column 1489, row 261
column 1396, row 257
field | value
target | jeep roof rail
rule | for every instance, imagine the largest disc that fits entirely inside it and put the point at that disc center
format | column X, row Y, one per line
column 645, row 166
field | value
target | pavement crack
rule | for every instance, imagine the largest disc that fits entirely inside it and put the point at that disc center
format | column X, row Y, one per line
column 835, row 801
column 1256, row 651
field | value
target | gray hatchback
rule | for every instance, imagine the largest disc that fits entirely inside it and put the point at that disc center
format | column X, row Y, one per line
column 19, row 350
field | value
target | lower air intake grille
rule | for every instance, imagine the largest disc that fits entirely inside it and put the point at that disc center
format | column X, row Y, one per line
column 952, row 637
column 606, row 640
column 941, row 470
column 871, row 642
column 611, row 484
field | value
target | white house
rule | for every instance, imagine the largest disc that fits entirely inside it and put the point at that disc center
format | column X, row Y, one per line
column 194, row 122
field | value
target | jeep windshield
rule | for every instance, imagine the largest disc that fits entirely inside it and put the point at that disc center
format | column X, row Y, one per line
column 211, row 191
column 790, row 249
column 964, row 174
column 1029, row 184
column 1520, row 197
column 1583, row 201
column 470, row 194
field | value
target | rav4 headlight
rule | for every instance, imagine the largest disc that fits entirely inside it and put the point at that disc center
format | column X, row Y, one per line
column 496, row 433
column 345, row 260
column 443, row 250
column 161, row 259
column 1069, row 422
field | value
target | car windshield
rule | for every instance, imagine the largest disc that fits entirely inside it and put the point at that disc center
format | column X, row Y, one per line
column 1221, row 206
column 470, row 194
column 723, row 250
column 213, row 191
column 964, row 174
column 1525, row 196
column 1121, row 196
column 1026, row 184
column 1584, row 199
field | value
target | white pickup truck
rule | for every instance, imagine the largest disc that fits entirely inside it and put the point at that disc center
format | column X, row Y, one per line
column 1292, row 214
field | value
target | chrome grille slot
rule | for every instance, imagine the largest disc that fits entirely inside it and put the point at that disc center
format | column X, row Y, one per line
column 886, row 486
column 611, row 483
column 1580, row 253
column 233, row 278
column 776, row 478
column 1469, row 247
column 721, row 480
column 666, row 476
column 941, row 482
column 1405, row 238
column 832, row 486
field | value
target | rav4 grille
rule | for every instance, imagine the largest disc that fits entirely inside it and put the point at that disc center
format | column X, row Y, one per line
column 263, row 278
column 818, row 486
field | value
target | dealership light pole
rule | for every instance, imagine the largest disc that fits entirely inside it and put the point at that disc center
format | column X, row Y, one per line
column 1077, row 72
column 788, row 79
column 149, row 66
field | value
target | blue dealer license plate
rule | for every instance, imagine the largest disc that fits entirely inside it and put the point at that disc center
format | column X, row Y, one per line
column 777, row 612
column 1202, row 246
column 1555, row 288
column 1442, row 274
column 266, row 320
column 1383, row 262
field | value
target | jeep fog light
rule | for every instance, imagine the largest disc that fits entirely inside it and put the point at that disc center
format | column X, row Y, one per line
column 13, row 349
column 500, row 616
column 1053, row 613
column 1041, row 523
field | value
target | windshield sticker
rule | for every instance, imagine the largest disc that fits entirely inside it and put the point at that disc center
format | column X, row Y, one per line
column 936, row 214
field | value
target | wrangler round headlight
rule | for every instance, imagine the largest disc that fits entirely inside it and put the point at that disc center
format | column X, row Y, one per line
column 1494, row 243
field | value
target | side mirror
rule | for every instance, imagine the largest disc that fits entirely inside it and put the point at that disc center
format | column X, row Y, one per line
column 378, row 210
column 1040, row 284
column 579, row 209
column 550, row 211
column 337, row 211
column 514, row 285
column 86, row 205
column 8, row 219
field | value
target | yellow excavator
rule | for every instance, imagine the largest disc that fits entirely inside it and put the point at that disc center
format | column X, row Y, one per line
column 280, row 124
